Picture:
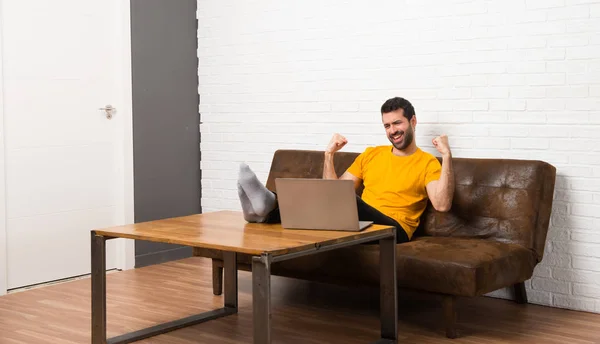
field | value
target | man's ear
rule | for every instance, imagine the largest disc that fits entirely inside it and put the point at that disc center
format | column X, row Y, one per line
column 413, row 121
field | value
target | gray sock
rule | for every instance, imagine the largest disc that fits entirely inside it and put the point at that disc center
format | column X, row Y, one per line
column 249, row 214
column 261, row 199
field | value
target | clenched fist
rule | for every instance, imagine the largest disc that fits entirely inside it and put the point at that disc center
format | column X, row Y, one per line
column 336, row 143
column 441, row 144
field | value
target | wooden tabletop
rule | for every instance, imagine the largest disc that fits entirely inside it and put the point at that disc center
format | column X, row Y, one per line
column 228, row 231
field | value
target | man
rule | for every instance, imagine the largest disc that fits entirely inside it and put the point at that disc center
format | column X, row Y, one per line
column 398, row 179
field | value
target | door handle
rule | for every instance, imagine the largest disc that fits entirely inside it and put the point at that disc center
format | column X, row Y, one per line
column 109, row 110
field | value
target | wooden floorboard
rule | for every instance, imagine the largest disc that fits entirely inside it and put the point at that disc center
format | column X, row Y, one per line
column 303, row 312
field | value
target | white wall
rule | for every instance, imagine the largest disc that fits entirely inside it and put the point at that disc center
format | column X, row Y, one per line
column 503, row 78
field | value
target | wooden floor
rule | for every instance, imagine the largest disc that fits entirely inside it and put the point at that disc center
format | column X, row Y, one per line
column 303, row 312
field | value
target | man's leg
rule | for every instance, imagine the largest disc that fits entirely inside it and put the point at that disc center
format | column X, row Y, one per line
column 368, row 213
column 249, row 213
column 259, row 204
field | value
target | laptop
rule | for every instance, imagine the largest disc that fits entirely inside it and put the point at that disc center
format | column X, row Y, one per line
column 320, row 204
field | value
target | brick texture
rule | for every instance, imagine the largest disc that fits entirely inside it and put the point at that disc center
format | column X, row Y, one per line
column 504, row 79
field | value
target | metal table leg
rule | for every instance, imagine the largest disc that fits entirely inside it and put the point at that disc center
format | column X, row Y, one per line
column 261, row 298
column 230, row 280
column 99, row 299
column 98, row 289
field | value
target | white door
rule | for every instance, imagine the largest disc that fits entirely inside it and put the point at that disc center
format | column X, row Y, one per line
column 67, row 165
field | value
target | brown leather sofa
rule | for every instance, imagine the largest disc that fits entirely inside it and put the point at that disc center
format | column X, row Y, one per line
column 493, row 236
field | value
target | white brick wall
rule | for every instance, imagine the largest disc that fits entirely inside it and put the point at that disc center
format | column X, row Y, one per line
column 503, row 78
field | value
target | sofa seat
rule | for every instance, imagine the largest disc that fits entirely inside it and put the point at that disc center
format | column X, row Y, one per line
column 454, row 266
column 465, row 267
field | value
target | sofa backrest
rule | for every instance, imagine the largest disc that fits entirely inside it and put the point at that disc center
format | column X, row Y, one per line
column 495, row 199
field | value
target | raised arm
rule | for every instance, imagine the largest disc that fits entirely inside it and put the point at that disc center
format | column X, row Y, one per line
column 441, row 191
column 336, row 143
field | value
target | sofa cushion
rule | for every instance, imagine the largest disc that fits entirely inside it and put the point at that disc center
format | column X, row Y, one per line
column 457, row 266
column 462, row 266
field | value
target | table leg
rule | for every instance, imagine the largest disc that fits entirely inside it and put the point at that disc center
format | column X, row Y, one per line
column 98, row 289
column 230, row 280
column 261, row 298
column 99, row 300
column 388, row 291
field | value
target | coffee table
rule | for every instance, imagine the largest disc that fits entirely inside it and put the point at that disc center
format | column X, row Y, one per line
column 267, row 243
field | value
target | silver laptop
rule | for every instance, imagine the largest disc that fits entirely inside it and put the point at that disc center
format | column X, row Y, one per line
column 320, row 204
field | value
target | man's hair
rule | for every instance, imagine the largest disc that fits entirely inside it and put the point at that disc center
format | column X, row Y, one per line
column 397, row 103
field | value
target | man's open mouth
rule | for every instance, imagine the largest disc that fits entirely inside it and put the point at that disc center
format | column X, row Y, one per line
column 397, row 138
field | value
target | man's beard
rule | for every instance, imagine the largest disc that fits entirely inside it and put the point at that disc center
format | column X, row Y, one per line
column 407, row 138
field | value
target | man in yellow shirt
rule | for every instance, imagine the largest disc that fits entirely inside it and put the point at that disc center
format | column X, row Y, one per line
column 398, row 179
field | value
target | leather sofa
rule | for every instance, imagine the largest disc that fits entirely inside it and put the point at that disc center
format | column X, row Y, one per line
column 492, row 237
